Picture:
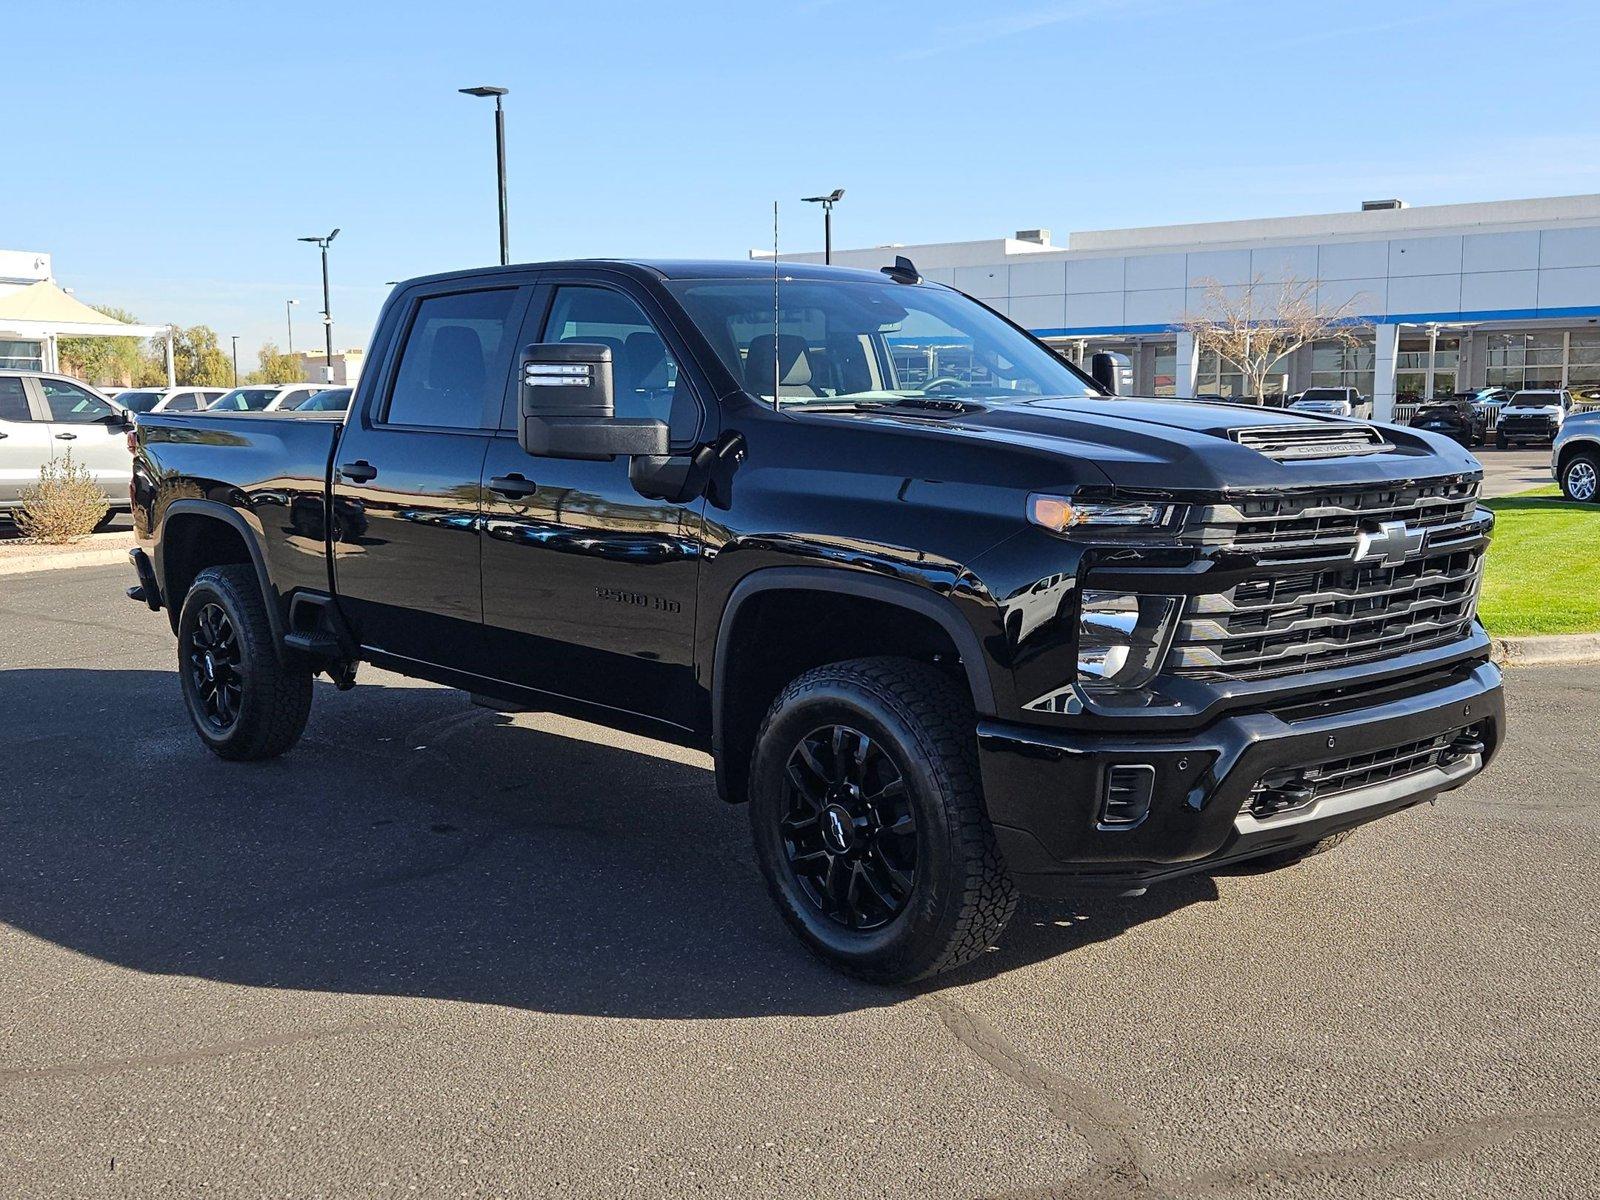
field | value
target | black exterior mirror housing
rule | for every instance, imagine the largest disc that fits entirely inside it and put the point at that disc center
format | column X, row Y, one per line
column 1112, row 371
column 566, row 406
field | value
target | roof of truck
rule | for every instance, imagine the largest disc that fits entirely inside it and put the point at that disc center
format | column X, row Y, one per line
column 664, row 268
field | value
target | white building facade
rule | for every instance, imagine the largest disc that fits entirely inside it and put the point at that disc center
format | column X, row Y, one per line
column 1455, row 297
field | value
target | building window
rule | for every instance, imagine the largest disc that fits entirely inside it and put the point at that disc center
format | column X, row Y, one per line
column 1411, row 369
column 1165, row 380
column 22, row 356
column 1544, row 360
column 1334, row 364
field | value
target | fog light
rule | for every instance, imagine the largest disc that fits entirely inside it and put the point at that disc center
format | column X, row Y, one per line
column 1122, row 638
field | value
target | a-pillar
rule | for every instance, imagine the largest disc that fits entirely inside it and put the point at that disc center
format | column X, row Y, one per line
column 1186, row 365
column 1385, row 357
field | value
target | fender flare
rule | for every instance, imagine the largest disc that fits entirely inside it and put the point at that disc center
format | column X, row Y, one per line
column 216, row 511
column 899, row 592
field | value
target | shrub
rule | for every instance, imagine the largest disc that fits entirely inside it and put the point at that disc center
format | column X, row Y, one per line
column 64, row 506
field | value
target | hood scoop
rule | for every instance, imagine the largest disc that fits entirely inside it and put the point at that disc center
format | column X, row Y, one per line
column 1296, row 442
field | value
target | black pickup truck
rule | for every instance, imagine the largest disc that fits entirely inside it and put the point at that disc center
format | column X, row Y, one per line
column 953, row 632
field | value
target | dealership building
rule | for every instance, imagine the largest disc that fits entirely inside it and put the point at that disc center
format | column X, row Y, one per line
column 1451, row 297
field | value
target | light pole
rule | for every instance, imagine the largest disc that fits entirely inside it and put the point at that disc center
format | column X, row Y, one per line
column 327, row 314
column 288, row 318
column 827, row 203
column 500, row 158
column 236, row 360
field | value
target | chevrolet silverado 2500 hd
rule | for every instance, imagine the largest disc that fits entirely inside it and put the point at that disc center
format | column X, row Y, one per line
column 953, row 619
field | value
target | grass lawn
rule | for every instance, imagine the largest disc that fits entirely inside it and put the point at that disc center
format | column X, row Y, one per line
column 1544, row 566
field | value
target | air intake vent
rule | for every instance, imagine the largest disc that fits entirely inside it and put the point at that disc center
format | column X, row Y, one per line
column 1127, row 799
column 1311, row 441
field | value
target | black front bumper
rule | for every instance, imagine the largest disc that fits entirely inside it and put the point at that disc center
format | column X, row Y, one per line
column 1044, row 787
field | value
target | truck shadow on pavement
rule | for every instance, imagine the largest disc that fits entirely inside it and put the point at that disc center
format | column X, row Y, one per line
column 414, row 845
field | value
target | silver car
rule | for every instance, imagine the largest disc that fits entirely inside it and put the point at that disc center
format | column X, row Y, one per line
column 44, row 416
column 1575, row 457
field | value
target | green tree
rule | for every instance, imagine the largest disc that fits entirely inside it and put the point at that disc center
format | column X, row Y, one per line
column 276, row 367
column 108, row 360
column 199, row 360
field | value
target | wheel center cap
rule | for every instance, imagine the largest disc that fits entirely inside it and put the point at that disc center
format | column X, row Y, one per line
column 838, row 830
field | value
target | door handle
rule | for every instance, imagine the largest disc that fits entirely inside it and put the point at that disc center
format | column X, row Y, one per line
column 67, row 437
column 512, row 487
column 360, row 471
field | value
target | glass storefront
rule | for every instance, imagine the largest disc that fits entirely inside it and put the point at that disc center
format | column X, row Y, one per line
column 1334, row 364
column 1544, row 359
column 1411, row 369
column 22, row 356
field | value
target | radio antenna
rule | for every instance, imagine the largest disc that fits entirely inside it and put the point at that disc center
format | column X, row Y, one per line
column 777, row 374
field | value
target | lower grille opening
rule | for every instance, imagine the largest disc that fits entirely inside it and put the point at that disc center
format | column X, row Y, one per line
column 1294, row 788
column 1129, row 789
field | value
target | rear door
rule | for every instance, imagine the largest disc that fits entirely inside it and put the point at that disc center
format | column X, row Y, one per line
column 25, row 442
column 91, row 429
column 407, row 469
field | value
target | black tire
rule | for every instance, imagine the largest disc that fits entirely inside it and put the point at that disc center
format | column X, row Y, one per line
column 1580, row 478
column 956, row 898
column 1500, row 441
column 243, row 702
column 1288, row 858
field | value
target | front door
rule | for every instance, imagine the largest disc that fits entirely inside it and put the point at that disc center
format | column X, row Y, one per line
column 25, row 441
column 91, row 430
column 588, row 587
column 406, row 473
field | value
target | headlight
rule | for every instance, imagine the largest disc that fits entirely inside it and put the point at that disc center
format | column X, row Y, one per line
column 1122, row 638
column 1058, row 513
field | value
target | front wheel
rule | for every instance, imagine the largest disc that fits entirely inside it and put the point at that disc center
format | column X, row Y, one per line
column 1500, row 441
column 869, row 821
column 243, row 702
column 1580, row 477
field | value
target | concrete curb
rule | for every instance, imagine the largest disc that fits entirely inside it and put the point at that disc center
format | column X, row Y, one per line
column 85, row 554
column 1555, row 648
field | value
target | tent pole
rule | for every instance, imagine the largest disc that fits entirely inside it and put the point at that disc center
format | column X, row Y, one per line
column 172, row 370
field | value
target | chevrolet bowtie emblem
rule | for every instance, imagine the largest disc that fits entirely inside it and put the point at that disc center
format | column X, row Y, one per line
column 1389, row 542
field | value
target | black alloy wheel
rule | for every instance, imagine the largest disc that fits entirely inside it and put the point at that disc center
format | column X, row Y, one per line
column 216, row 668
column 849, row 833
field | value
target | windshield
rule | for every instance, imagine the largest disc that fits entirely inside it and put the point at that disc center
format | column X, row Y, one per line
column 1325, row 394
column 244, row 400
column 867, row 342
column 139, row 401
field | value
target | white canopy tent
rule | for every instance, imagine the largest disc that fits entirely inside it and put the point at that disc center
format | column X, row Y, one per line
column 42, row 312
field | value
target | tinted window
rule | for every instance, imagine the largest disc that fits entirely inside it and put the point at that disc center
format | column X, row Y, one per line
column 336, row 400
column 183, row 402
column 296, row 398
column 69, row 403
column 643, row 372
column 13, row 400
column 139, row 401
column 456, row 361
column 245, row 400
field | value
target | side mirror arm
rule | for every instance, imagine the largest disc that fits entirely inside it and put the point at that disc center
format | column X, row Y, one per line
column 679, row 478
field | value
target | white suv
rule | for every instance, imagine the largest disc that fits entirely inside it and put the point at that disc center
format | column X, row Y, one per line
column 267, row 397
column 169, row 399
column 45, row 416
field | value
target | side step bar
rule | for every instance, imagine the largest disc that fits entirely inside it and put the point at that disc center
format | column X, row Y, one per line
column 317, row 632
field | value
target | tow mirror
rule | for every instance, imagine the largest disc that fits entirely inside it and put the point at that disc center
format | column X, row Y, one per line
column 567, row 408
column 1112, row 371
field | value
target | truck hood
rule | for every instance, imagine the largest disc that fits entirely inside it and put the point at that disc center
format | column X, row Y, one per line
column 1176, row 447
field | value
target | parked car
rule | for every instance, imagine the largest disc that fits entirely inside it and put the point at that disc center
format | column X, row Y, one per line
column 1575, row 457
column 1458, row 418
column 169, row 399
column 332, row 400
column 1532, row 415
column 1333, row 402
column 44, row 416
column 949, row 637
column 267, row 397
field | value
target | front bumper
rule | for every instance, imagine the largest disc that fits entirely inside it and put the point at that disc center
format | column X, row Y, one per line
column 1044, row 787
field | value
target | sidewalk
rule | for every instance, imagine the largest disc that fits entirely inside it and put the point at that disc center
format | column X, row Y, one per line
column 19, row 557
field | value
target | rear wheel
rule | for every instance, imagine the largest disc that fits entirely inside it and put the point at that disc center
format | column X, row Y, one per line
column 243, row 702
column 869, row 821
column 1580, row 477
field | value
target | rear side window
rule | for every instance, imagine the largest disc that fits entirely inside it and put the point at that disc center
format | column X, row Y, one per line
column 456, row 361
column 13, row 400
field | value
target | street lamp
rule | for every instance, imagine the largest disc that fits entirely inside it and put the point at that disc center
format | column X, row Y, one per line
column 827, row 203
column 236, row 360
column 288, row 317
column 500, row 158
column 327, row 314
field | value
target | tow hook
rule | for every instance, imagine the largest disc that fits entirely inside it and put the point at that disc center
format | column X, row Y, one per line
column 1465, row 746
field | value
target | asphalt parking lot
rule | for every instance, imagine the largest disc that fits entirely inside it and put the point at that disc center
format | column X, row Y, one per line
column 440, row 951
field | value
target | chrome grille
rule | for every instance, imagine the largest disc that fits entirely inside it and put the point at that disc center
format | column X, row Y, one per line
column 1309, row 605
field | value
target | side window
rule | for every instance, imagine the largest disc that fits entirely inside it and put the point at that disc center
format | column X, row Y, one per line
column 644, row 373
column 456, row 361
column 183, row 402
column 69, row 403
column 13, row 400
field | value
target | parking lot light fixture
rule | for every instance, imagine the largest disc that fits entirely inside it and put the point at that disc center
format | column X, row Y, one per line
column 327, row 307
column 236, row 360
column 499, row 155
column 827, row 203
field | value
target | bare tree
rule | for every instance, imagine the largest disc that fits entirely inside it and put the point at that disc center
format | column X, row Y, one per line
column 1251, row 327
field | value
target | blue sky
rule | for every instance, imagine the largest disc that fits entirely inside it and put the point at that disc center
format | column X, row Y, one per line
column 174, row 151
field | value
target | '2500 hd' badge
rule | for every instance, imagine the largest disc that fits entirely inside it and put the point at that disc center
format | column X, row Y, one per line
column 638, row 599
